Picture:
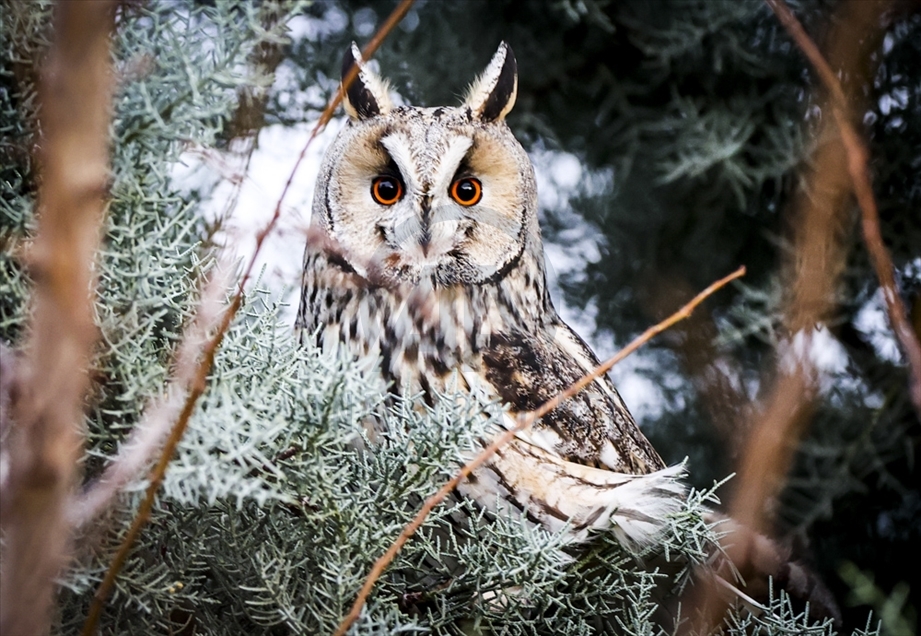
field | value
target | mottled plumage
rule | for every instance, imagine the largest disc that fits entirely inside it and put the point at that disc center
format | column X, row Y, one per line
column 425, row 250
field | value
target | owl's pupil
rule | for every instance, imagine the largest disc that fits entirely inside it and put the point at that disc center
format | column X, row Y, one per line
column 386, row 190
column 466, row 191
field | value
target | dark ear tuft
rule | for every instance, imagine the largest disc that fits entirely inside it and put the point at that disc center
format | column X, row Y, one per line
column 493, row 94
column 362, row 98
column 497, row 104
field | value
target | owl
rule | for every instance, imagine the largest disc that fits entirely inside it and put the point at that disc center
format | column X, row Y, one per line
column 425, row 252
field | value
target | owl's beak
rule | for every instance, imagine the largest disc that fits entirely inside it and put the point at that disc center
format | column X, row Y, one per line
column 425, row 234
column 425, row 241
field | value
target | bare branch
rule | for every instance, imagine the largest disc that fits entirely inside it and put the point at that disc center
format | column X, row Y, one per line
column 198, row 383
column 820, row 227
column 44, row 440
column 525, row 420
column 857, row 155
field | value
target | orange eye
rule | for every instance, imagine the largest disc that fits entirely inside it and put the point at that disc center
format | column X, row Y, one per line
column 386, row 190
column 467, row 191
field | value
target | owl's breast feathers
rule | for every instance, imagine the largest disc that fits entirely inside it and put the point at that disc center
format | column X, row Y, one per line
column 586, row 463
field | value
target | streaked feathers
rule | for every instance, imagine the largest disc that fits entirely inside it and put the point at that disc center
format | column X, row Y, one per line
column 440, row 290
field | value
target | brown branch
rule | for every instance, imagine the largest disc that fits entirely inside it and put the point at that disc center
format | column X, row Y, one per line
column 199, row 381
column 820, row 228
column 857, row 165
column 766, row 458
column 45, row 438
column 524, row 421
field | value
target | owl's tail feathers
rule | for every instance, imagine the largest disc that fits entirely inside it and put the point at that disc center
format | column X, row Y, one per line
column 578, row 499
column 635, row 508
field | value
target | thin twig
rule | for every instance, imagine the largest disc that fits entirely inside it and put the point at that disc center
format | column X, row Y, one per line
column 524, row 420
column 809, row 48
column 199, row 382
column 45, row 439
column 820, row 229
column 146, row 439
column 857, row 155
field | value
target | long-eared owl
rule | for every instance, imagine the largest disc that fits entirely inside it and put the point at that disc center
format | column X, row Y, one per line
column 425, row 250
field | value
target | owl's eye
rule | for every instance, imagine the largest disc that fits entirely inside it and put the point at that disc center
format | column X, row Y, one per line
column 386, row 190
column 467, row 191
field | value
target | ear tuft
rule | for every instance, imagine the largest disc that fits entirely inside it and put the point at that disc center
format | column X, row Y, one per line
column 493, row 94
column 367, row 95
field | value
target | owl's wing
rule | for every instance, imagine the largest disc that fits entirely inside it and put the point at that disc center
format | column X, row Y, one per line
column 528, row 477
column 593, row 428
column 585, row 465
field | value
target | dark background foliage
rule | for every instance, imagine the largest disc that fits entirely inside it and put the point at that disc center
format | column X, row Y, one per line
column 702, row 112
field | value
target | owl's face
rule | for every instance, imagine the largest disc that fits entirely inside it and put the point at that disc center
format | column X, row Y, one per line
column 445, row 194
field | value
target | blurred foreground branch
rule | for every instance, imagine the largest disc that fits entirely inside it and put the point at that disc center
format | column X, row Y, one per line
column 43, row 440
column 857, row 166
column 135, row 455
column 820, row 226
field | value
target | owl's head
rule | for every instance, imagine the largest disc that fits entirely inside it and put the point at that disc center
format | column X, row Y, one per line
column 445, row 194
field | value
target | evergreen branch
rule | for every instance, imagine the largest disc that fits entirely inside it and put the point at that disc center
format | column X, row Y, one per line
column 524, row 421
column 198, row 383
column 858, row 155
column 147, row 437
column 45, row 440
column 196, row 388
